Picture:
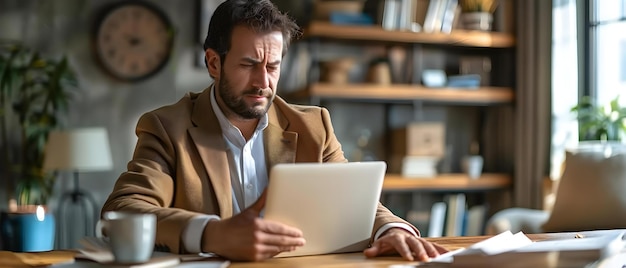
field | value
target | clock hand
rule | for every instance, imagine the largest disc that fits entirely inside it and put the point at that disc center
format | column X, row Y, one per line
column 132, row 39
column 135, row 41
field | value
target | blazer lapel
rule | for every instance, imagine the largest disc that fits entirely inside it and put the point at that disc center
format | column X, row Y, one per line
column 208, row 139
column 280, row 145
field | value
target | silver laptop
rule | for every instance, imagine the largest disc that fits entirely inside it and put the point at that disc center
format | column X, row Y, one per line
column 334, row 204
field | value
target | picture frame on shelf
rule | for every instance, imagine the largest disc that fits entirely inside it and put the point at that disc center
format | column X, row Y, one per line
column 205, row 9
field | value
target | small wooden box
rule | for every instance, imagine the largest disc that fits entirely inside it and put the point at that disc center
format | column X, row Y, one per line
column 420, row 139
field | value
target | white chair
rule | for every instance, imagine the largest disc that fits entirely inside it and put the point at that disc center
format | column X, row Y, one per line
column 591, row 195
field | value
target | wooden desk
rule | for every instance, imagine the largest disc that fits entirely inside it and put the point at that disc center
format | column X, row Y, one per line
column 10, row 259
column 359, row 260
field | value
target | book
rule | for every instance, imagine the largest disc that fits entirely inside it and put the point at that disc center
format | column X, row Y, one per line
column 447, row 21
column 420, row 7
column 435, row 14
column 475, row 223
column 96, row 251
column 455, row 214
column 437, row 219
column 431, row 20
column 156, row 262
column 390, row 10
column 98, row 257
column 406, row 15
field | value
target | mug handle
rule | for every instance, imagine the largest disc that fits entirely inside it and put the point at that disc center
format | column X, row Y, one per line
column 101, row 224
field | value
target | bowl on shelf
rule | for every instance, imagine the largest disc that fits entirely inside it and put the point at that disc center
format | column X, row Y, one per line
column 337, row 71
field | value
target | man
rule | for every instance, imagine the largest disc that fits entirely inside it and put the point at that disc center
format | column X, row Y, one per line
column 201, row 165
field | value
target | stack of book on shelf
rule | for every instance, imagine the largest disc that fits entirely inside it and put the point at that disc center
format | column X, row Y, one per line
column 506, row 249
column 418, row 148
column 420, row 15
column 441, row 16
column 419, row 166
column 401, row 15
column 451, row 217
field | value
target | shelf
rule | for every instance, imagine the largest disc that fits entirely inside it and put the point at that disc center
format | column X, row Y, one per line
column 461, row 38
column 448, row 182
column 372, row 92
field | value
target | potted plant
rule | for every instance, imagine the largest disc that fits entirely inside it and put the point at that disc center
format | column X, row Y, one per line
column 34, row 95
column 602, row 123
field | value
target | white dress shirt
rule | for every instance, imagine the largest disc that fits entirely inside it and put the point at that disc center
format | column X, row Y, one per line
column 248, row 173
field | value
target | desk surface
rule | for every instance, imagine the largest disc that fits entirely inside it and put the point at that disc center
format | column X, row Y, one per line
column 359, row 260
column 10, row 259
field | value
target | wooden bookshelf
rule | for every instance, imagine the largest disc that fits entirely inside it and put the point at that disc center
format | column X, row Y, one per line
column 447, row 182
column 397, row 92
column 463, row 42
column 461, row 38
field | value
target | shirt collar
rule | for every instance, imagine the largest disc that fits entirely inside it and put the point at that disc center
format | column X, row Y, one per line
column 229, row 130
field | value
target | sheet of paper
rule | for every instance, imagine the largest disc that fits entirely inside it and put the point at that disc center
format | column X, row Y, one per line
column 204, row 264
column 505, row 241
column 607, row 241
column 447, row 257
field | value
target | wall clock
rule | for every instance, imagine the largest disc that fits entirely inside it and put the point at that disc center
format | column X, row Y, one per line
column 133, row 40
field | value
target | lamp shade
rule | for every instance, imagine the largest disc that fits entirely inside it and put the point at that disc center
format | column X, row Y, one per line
column 84, row 149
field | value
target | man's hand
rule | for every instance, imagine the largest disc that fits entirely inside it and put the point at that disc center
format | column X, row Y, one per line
column 398, row 240
column 246, row 237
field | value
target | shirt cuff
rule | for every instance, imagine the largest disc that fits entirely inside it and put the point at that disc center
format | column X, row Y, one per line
column 390, row 225
column 192, row 235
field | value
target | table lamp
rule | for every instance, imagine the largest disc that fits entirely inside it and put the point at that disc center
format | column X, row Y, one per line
column 77, row 150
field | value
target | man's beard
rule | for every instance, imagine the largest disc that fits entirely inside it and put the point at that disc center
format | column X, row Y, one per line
column 237, row 104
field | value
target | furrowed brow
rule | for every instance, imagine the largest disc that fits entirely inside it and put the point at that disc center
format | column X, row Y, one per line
column 251, row 60
column 274, row 63
column 256, row 61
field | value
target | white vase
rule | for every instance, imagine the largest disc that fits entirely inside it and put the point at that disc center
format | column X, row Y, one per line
column 477, row 21
column 472, row 165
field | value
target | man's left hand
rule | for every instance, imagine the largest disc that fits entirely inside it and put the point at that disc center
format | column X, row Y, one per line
column 410, row 247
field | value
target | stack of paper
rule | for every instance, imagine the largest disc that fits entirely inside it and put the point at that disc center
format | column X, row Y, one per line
column 98, row 254
column 508, row 248
column 414, row 166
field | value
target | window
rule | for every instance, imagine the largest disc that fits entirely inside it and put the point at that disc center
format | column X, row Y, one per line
column 564, row 81
column 607, row 50
column 601, row 49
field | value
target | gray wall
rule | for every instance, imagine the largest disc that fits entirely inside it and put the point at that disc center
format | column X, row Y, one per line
column 65, row 27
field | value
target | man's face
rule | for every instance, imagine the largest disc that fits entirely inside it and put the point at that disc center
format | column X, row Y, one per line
column 249, row 74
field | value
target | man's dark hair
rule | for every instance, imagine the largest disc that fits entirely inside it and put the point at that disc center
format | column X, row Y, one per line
column 262, row 16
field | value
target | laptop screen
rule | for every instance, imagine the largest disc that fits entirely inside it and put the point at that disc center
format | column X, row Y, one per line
column 334, row 204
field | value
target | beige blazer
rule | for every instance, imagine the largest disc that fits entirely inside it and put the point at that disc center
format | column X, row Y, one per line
column 179, row 169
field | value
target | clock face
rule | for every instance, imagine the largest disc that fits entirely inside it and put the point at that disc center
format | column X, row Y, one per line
column 133, row 40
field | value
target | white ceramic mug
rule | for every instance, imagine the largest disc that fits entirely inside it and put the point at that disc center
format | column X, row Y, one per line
column 131, row 236
column 473, row 166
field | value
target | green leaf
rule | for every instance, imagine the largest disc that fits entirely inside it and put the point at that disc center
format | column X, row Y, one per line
column 595, row 124
column 35, row 92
